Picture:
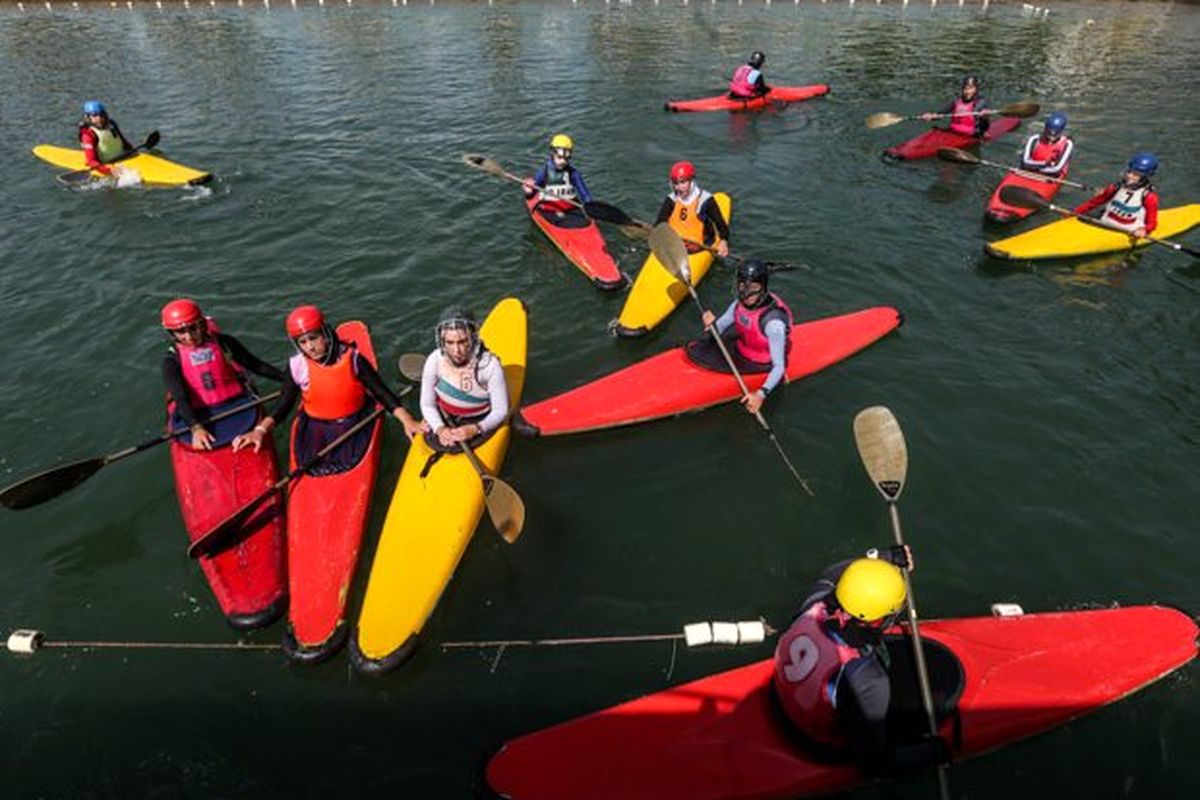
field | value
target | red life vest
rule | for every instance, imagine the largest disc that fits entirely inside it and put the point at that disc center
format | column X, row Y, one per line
column 741, row 86
column 808, row 665
column 960, row 122
column 752, row 340
column 329, row 392
column 210, row 377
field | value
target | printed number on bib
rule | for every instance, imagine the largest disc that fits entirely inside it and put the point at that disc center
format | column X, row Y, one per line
column 803, row 656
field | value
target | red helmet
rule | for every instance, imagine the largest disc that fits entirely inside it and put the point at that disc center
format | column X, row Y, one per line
column 683, row 171
column 180, row 313
column 305, row 319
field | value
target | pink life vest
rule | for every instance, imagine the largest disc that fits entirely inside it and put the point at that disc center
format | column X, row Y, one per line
column 752, row 341
column 741, row 86
column 808, row 666
column 960, row 122
column 209, row 376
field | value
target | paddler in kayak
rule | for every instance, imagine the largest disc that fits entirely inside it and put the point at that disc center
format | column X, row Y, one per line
column 101, row 138
column 205, row 373
column 1049, row 152
column 762, row 324
column 1130, row 204
column 693, row 212
column 464, row 395
column 560, row 185
column 962, row 108
column 748, row 80
column 337, row 388
column 832, row 666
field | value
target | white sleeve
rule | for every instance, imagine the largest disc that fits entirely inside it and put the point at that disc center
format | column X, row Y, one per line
column 429, row 409
column 493, row 374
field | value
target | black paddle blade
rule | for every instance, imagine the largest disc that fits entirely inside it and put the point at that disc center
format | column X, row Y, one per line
column 47, row 485
column 1022, row 197
column 233, row 529
column 606, row 212
column 152, row 139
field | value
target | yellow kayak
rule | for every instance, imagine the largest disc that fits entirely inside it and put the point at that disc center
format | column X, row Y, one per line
column 154, row 171
column 431, row 520
column 656, row 291
column 1071, row 237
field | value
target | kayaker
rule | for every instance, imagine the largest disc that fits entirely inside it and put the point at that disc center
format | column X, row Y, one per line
column 101, row 138
column 1132, row 202
column 204, row 370
column 832, row 665
column 748, row 79
column 1050, row 151
column 962, row 109
column 464, row 396
column 693, row 212
column 761, row 322
column 561, row 185
column 333, row 382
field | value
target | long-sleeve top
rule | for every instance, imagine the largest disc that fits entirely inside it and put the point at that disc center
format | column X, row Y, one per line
column 1150, row 201
column 776, row 331
column 172, row 373
column 489, row 373
column 543, row 175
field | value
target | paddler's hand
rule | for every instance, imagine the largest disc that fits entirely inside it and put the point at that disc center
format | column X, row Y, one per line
column 723, row 249
column 445, row 436
column 709, row 318
column 928, row 115
column 253, row 438
column 754, row 401
column 412, row 427
column 530, row 187
column 1140, row 232
column 901, row 555
column 201, row 439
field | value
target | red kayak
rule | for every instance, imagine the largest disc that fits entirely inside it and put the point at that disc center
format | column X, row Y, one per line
column 669, row 383
column 578, row 238
column 775, row 96
column 1000, row 211
column 927, row 144
column 326, row 518
column 724, row 738
column 248, row 580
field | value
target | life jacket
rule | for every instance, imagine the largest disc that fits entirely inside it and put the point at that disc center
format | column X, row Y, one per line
column 1049, row 157
column 960, row 122
column 559, row 193
column 460, row 393
column 750, row 323
column 109, row 146
column 1126, row 209
column 209, row 376
column 741, row 85
column 809, row 660
column 329, row 391
column 685, row 217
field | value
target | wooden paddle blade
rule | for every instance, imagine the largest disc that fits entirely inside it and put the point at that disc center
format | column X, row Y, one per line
column 637, row 232
column 412, row 366
column 882, row 449
column 479, row 161
column 37, row 489
column 670, row 250
column 505, row 508
column 1022, row 197
column 1024, row 110
column 883, row 119
column 957, row 155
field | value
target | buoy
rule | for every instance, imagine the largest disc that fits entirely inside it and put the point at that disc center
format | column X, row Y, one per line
column 25, row 641
column 1007, row 610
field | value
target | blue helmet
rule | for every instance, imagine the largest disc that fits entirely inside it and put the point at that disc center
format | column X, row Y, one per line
column 1056, row 123
column 1145, row 164
column 94, row 107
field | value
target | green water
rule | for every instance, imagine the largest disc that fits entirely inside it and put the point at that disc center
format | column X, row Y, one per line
column 1050, row 412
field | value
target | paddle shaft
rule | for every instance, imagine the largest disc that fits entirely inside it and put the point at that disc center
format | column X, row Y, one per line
column 1036, row 175
column 266, row 398
column 762, row 421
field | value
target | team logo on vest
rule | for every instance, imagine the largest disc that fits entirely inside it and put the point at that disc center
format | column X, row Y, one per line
column 202, row 356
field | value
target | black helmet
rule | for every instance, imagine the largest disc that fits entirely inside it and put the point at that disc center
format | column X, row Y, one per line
column 752, row 271
column 970, row 80
column 757, row 59
column 457, row 318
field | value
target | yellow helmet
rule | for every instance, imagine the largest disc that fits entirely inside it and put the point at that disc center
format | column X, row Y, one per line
column 562, row 142
column 870, row 589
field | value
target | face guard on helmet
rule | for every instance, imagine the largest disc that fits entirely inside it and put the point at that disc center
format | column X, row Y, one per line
column 458, row 319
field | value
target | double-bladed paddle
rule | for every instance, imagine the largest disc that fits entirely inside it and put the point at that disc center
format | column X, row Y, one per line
column 225, row 533
column 671, row 252
column 960, row 156
column 505, row 507
column 80, row 175
column 50, row 483
column 1020, row 196
column 1022, row 110
column 885, row 456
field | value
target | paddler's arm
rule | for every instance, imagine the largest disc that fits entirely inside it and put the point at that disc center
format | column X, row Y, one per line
column 665, row 211
column 867, row 687
column 429, row 407
column 580, row 187
column 493, row 376
column 87, row 140
column 247, row 360
column 173, row 377
column 117, row 130
column 283, row 406
column 383, row 394
column 722, row 322
column 1151, row 205
column 531, row 185
column 777, row 334
column 983, row 121
column 1097, row 200
column 715, row 226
